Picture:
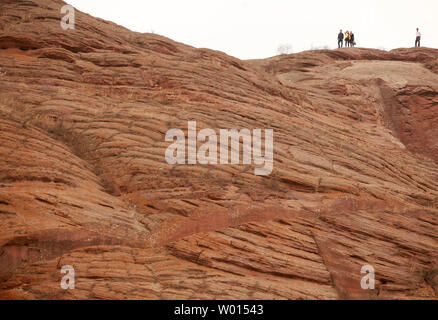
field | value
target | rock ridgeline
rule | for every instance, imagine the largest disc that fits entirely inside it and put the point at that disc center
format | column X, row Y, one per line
column 83, row 180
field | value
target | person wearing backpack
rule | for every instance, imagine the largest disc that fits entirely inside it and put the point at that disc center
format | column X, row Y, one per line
column 340, row 39
column 347, row 39
column 418, row 38
column 352, row 43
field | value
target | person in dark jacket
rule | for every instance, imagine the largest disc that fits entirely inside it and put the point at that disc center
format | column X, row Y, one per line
column 340, row 39
column 352, row 43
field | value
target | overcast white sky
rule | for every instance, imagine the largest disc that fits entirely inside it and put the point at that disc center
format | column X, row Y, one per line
column 250, row 29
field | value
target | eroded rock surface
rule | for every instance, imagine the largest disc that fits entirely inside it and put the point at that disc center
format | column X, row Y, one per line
column 84, row 181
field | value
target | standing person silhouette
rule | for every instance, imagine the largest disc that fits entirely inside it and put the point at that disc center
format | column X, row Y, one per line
column 340, row 39
column 347, row 39
column 352, row 42
column 418, row 38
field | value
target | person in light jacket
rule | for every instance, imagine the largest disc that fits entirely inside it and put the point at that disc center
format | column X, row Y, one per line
column 418, row 38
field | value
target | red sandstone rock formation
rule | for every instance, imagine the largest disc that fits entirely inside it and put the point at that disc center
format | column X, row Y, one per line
column 84, row 182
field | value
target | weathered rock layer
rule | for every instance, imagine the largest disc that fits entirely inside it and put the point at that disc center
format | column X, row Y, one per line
column 84, row 181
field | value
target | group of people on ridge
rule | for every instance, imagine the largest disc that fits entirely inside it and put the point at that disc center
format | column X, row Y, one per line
column 349, row 39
